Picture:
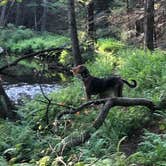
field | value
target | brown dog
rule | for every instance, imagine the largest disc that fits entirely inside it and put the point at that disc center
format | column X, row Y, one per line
column 101, row 86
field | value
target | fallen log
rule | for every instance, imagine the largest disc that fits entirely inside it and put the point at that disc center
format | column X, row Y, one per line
column 72, row 141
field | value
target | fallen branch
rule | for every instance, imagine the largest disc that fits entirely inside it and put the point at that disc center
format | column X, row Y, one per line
column 39, row 53
column 81, row 107
column 70, row 142
column 57, row 104
column 102, row 101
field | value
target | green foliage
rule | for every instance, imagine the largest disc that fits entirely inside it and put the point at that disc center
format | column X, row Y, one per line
column 149, row 69
column 65, row 58
column 152, row 150
column 21, row 40
column 34, row 138
column 16, row 140
column 103, row 66
column 21, row 143
column 44, row 161
column 3, row 161
column 109, row 45
column 11, row 35
column 38, row 43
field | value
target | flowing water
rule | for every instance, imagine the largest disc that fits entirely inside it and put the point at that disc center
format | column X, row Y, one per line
column 17, row 92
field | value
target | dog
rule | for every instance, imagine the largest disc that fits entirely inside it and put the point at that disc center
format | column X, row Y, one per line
column 101, row 86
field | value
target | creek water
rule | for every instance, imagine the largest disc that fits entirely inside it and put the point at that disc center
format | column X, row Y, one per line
column 19, row 91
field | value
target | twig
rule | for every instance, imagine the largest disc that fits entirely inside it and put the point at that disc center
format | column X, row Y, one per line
column 58, row 104
column 81, row 107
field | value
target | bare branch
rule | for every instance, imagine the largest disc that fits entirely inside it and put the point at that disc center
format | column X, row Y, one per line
column 39, row 53
column 58, row 104
column 70, row 142
column 81, row 107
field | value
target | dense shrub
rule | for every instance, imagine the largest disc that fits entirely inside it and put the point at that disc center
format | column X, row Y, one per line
column 38, row 43
column 109, row 45
column 11, row 35
column 149, row 69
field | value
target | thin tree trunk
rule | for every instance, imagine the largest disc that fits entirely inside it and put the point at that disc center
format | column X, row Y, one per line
column 44, row 16
column 17, row 14
column 149, row 24
column 91, row 26
column 127, row 5
column 73, row 33
column 35, row 19
column 2, row 17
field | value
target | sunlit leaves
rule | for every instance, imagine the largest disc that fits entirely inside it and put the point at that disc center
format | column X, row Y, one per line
column 4, row 2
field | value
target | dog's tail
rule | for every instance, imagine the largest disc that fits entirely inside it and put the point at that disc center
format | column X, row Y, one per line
column 129, row 84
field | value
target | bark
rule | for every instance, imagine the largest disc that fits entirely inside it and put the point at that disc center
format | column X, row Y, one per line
column 6, row 107
column 90, row 17
column 127, row 5
column 2, row 17
column 73, row 33
column 70, row 142
column 44, row 16
column 149, row 24
column 17, row 20
column 91, row 26
column 35, row 18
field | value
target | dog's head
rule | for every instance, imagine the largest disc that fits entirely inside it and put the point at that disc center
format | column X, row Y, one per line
column 80, row 69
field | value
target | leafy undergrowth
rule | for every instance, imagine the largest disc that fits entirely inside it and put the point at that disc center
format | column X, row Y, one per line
column 17, row 41
column 20, row 40
column 34, row 143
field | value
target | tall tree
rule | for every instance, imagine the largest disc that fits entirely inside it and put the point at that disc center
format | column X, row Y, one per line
column 44, row 16
column 73, row 33
column 2, row 16
column 17, row 13
column 149, row 24
column 91, row 26
column 6, row 107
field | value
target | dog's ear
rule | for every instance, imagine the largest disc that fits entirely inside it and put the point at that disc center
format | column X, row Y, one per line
column 79, row 70
column 75, row 70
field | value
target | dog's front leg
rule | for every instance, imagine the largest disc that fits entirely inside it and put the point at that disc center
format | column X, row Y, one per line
column 88, row 96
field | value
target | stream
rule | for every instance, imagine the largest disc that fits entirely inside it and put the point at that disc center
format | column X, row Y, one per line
column 19, row 91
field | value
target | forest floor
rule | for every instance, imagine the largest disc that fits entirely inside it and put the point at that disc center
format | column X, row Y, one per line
column 130, row 145
column 126, row 23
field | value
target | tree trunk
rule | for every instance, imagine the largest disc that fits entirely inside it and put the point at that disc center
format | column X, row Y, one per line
column 35, row 18
column 6, row 106
column 17, row 21
column 73, row 33
column 149, row 24
column 127, row 5
column 91, row 27
column 2, row 17
column 44, row 16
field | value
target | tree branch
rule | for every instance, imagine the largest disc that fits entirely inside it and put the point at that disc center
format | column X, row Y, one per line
column 81, row 107
column 39, row 53
column 70, row 141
